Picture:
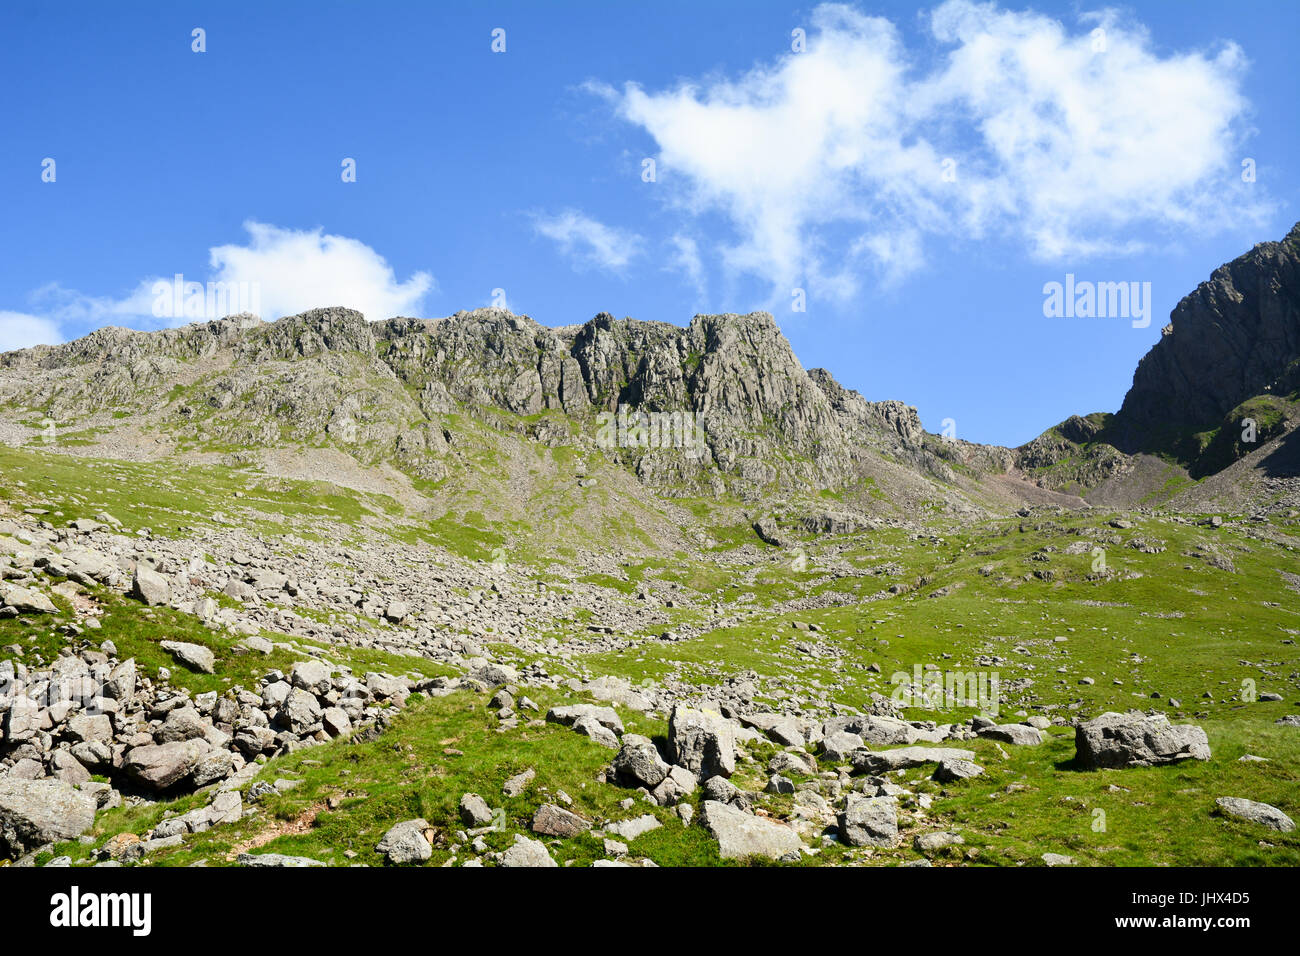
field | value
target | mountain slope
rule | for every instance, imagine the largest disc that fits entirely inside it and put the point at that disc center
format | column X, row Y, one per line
column 1218, row 388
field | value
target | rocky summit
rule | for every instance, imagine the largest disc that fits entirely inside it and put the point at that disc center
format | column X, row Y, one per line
column 475, row 591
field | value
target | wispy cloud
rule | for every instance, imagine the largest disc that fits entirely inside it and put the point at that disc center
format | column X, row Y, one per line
column 684, row 257
column 586, row 242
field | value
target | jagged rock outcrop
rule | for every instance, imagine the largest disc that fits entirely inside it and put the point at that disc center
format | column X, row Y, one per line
column 1230, row 353
column 1235, row 337
column 738, row 407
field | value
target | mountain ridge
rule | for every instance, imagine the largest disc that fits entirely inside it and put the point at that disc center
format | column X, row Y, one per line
column 382, row 392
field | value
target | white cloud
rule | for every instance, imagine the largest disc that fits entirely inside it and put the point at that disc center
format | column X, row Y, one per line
column 1084, row 135
column 684, row 256
column 298, row 270
column 586, row 242
column 19, row 331
column 287, row 271
column 837, row 154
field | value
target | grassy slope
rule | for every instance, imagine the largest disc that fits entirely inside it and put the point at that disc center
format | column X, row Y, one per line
column 1161, row 622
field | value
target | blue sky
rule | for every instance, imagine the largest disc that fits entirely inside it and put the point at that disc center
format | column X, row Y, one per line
column 919, row 172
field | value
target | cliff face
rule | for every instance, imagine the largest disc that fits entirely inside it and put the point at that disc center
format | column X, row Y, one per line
column 1220, row 383
column 1236, row 337
column 383, row 388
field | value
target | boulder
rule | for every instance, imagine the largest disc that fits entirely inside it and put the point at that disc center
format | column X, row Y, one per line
column 311, row 676
column 149, row 586
column 550, row 820
column 869, row 821
column 28, row 601
column 1018, row 734
column 526, row 852
column 590, row 727
column 159, row 766
column 638, row 763
column 568, row 716
column 1137, row 740
column 836, row 747
column 1261, row 813
column 741, row 834
column 406, row 843
column 631, row 829
column 474, row 811
column 301, row 710
column 193, row 656
column 275, row 860
column 702, row 741
column 36, row 812
column 881, row 761
column 336, row 722
column 950, row 771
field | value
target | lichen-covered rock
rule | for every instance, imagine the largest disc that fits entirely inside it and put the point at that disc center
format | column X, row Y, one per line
column 36, row 812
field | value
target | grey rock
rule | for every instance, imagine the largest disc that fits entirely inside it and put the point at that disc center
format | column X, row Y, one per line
column 606, row 716
column 741, row 834
column 881, row 761
column 518, row 783
column 950, row 771
column 869, row 821
column 638, row 762
column 1261, row 813
column 1137, row 740
column 27, row 601
column 528, row 853
column 631, row 829
column 1019, row 734
column 149, row 586
column 275, row 860
column 550, row 820
column 36, row 812
column 936, row 841
column 474, row 810
column 160, row 766
column 406, row 843
column 703, row 742
column 193, row 656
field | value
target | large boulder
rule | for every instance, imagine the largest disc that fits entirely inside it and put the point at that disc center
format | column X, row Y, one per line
column 36, row 812
column 869, row 821
column 276, row 860
column 1137, row 740
column 1021, row 735
column 160, row 766
column 882, row 761
column 120, row 685
column 638, row 763
column 406, row 843
column 301, row 710
column 474, row 810
column 702, row 741
column 196, row 657
column 149, row 586
column 311, row 676
column 571, row 714
column 741, row 834
column 550, row 820
column 27, row 601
